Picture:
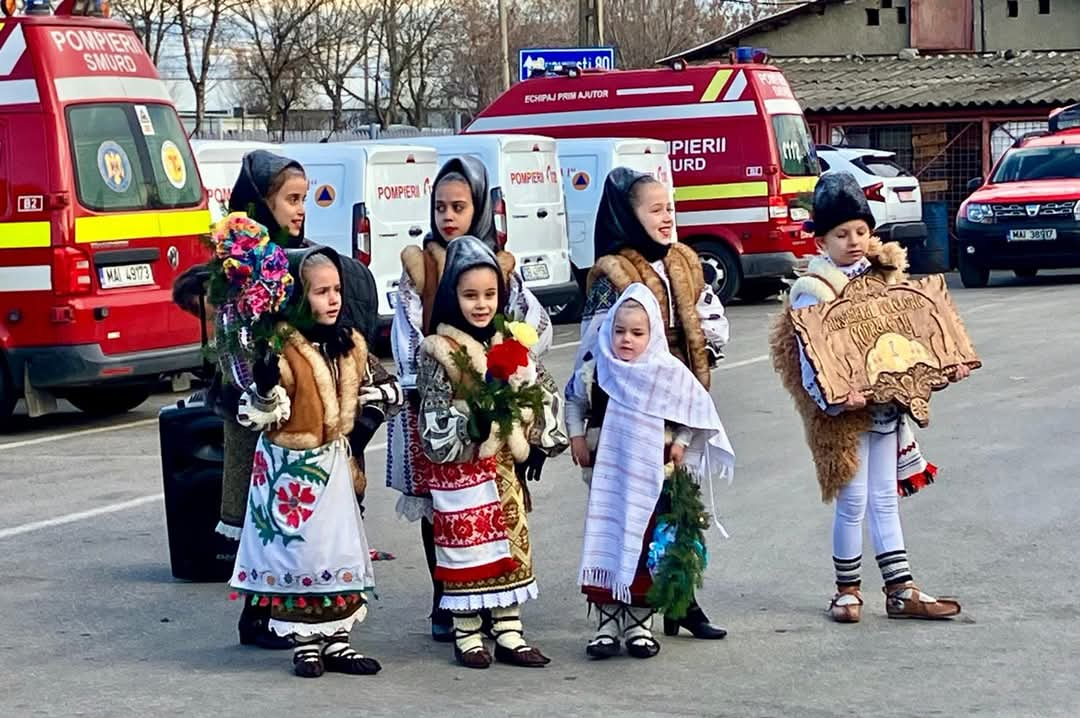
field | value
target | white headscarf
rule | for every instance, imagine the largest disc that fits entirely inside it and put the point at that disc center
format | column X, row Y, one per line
column 628, row 473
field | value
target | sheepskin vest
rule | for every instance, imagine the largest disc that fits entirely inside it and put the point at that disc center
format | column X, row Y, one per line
column 833, row 440
column 425, row 269
column 686, row 340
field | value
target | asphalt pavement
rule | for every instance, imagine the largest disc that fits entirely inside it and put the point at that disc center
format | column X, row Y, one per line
column 94, row 624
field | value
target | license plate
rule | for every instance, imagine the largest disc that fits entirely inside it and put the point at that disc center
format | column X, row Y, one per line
column 1032, row 235
column 905, row 195
column 126, row 275
column 534, row 272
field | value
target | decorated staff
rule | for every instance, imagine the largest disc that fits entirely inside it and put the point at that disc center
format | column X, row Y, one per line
column 859, row 347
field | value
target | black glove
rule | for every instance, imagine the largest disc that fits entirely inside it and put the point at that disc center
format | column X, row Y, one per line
column 529, row 470
column 366, row 425
column 479, row 425
column 265, row 369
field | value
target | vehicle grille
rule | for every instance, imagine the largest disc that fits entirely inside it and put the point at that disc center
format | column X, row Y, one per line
column 1044, row 209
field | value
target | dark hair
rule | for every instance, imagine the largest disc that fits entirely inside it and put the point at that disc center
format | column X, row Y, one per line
column 286, row 173
column 453, row 177
column 638, row 188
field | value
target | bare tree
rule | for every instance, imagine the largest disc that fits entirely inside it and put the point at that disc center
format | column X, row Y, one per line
column 200, row 23
column 274, row 54
column 644, row 30
column 430, row 31
column 152, row 21
column 341, row 43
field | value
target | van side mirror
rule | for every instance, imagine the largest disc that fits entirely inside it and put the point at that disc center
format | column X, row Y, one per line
column 974, row 184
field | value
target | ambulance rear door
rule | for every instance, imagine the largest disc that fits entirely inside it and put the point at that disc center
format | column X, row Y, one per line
column 219, row 164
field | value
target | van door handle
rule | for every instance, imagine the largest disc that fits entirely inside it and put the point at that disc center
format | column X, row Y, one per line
column 415, row 231
column 542, row 213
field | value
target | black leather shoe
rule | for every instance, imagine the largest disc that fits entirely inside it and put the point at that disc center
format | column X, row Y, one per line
column 254, row 629
column 697, row 623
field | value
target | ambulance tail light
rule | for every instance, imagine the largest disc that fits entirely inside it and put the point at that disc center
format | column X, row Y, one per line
column 361, row 244
column 875, row 192
column 500, row 216
column 778, row 209
column 71, row 271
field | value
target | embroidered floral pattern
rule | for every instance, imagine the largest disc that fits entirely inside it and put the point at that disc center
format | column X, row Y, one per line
column 285, row 493
column 254, row 579
column 471, row 527
column 258, row 473
column 293, row 504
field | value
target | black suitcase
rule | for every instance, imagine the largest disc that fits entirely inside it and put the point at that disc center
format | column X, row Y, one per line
column 192, row 460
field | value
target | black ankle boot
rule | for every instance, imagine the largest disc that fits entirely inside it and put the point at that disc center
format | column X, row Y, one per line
column 697, row 623
column 442, row 626
column 254, row 629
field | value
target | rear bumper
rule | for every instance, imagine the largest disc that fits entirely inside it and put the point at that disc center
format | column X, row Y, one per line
column 771, row 265
column 553, row 295
column 906, row 233
column 988, row 246
column 62, row 367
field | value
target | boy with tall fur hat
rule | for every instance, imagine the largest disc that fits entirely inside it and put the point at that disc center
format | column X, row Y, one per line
column 865, row 453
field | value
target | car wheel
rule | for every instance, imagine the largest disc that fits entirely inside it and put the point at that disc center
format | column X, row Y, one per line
column 973, row 275
column 108, row 402
column 1025, row 273
column 723, row 264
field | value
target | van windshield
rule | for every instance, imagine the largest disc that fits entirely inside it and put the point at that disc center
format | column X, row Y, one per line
column 1039, row 163
column 130, row 157
column 797, row 156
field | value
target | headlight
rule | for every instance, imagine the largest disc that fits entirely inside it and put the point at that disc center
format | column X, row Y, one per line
column 981, row 213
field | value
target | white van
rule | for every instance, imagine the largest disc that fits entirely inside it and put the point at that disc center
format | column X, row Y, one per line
column 586, row 163
column 523, row 171
column 369, row 201
column 219, row 165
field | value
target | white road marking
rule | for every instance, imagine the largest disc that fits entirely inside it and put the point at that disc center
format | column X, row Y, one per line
column 76, row 434
column 564, row 345
column 743, row 362
column 79, row 516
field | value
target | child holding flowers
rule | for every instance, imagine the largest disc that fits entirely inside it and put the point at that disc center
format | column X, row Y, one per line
column 303, row 551
column 485, row 404
column 630, row 412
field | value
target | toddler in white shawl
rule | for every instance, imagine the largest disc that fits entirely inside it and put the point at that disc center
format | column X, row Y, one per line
column 631, row 409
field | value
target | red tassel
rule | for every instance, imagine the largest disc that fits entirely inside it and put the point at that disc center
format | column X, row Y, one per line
column 264, row 601
column 234, row 596
column 275, row 601
column 340, row 601
column 301, row 602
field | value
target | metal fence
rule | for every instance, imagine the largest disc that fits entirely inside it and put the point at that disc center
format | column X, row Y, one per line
column 374, row 133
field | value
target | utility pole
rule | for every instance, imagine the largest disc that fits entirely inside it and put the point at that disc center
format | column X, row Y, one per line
column 590, row 23
column 504, row 37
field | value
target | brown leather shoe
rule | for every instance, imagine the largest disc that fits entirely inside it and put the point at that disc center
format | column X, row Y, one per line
column 846, row 605
column 475, row 658
column 908, row 601
column 524, row 656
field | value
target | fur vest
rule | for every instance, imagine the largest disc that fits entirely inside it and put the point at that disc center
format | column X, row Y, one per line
column 687, row 341
column 833, row 440
column 323, row 406
column 441, row 347
column 425, row 269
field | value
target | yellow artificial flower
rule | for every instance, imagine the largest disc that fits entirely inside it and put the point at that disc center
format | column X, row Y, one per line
column 523, row 333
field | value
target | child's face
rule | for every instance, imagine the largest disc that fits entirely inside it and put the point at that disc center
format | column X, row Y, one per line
column 478, row 296
column 846, row 243
column 453, row 209
column 655, row 212
column 287, row 204
column 324, row 292
column 630, row 332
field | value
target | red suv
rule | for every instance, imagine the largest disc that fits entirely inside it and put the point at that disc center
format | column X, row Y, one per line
column 1026, row 217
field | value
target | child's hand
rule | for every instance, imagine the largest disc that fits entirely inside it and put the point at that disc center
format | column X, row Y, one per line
column 961, row 372
column 580, row 452
column 677, row 453
column 855, row 401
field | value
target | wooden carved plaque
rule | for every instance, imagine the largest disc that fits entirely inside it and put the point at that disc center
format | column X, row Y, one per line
column 893, row 343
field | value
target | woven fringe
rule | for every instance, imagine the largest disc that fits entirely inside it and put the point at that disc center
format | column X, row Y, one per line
column 603, row 578
column 414, row 508
column 478, row 601
column 309, row 630
column 916, row 482
column 228, row 531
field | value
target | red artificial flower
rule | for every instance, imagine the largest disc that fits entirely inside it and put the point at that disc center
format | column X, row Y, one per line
column 291, row 504
column 506, row 358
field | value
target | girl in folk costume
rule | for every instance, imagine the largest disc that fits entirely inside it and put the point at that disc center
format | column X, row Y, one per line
column 631, row 410
column 635, row 244
column 461, row 204
column 483, row 553
column 866, row 455
column 303, row 552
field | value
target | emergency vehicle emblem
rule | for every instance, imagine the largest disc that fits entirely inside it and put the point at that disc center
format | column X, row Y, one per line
column 114, row 166
column 173, row 255
column 173, row 164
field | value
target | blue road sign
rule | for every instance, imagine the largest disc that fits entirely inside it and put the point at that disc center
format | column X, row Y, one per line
column 551, row 59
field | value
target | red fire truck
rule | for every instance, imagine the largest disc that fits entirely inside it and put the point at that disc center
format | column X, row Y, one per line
column 101, row 206
column 741, row 153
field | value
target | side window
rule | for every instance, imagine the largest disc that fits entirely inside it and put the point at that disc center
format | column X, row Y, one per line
column 108, row 167
column 175, row 177
column 823, row 163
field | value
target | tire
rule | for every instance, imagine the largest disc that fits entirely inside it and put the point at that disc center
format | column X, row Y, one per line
column 972, row 275
column 108, row 402
column 1026, row 273
column 8, row 397
column 726, row 263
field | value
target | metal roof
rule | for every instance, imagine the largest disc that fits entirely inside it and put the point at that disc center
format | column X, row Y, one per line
column 924, row 82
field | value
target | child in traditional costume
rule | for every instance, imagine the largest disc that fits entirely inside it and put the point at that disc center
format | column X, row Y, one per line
column 461, row 205
column 632, row 410
column 303, row 551
column 635, row 243
column 866, row 455
column 483, row 553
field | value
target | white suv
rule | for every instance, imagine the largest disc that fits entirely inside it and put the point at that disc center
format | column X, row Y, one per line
column 894, row 195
